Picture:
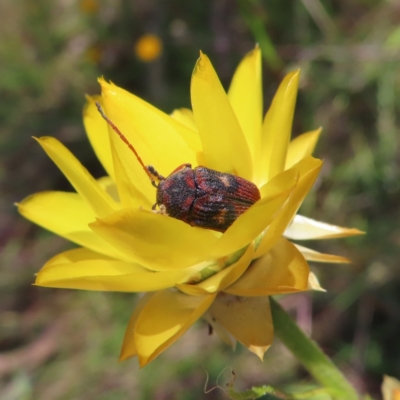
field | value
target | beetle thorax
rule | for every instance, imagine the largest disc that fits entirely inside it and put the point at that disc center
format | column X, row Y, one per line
column 177, row 193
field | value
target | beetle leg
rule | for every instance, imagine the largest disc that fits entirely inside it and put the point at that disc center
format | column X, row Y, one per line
column 162, row 210
column 154, row 173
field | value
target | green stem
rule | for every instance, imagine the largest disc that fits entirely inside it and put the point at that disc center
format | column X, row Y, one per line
column 310, row 355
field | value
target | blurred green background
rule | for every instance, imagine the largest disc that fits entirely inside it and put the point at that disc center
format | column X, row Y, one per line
column 64, row 344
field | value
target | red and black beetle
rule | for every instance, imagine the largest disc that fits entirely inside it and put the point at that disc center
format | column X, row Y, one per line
column 201, row 196
column 204, row 197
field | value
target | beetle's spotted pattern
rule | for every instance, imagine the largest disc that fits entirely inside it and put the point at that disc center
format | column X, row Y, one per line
column 205, row 198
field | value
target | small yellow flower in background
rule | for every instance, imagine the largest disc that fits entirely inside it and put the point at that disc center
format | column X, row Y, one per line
column 390, row 388
column 188, row 272
column 89, row 6
column 148, row 48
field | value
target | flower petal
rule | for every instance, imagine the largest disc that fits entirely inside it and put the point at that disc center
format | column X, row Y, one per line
column 222, row 279
column 303, row 228
column 101, row 203
column 245, row 95
column 108, row 184
column 281, row 270
column 128, row 346
column 277, row 128
column 134, row 186
column 302, row 146
column 390, row 388
column 313, row 283
column 67, row 215
column 309, row 169
column 166, row 316
column 223, row 334
column 248, row 319
column 185, row 117
column 97, row 131
column 224, row 145
column 140, row 118
column 251, row 223
column 85, row 269
column 135, row 119
column 155, row 241
column 312, row 255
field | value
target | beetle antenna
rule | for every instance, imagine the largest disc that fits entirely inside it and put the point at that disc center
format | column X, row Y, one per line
column 125, row 140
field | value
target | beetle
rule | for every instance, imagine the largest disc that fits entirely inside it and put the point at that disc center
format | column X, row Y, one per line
column 201, row 196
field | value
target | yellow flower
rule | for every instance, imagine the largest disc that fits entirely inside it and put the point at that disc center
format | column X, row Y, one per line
column 188, row 272
column 89, row 6
column 390, row 388
column 148, row 48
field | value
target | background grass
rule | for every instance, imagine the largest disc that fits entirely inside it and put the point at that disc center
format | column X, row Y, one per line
column 63, row 344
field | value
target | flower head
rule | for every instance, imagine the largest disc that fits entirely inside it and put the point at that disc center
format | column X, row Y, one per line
column 148, row 48
column 187, row 271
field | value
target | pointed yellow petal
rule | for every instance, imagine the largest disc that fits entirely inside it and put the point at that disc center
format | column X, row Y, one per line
column 277, row 128
column 134, row 186
column 79, row 177
column 224, row 145
column 153, row 134
column 248, row 319
column 223, row 334
column 165, row 318
column 185, row 117
column 302, row 146
column 133, row 183
column 67, row 215
column 313, row 283
column 128, row 346
column 109, row 186
column 312, row 255
column 309, row 169
column 84, row 269
column 281, row 270
column 150, row 128
column 251, row 223
column 245, row 95
column 222, row 279
column 390, row 388
column 97, row 131
column 155, row 241
column 75, row 255
column 303, row 228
